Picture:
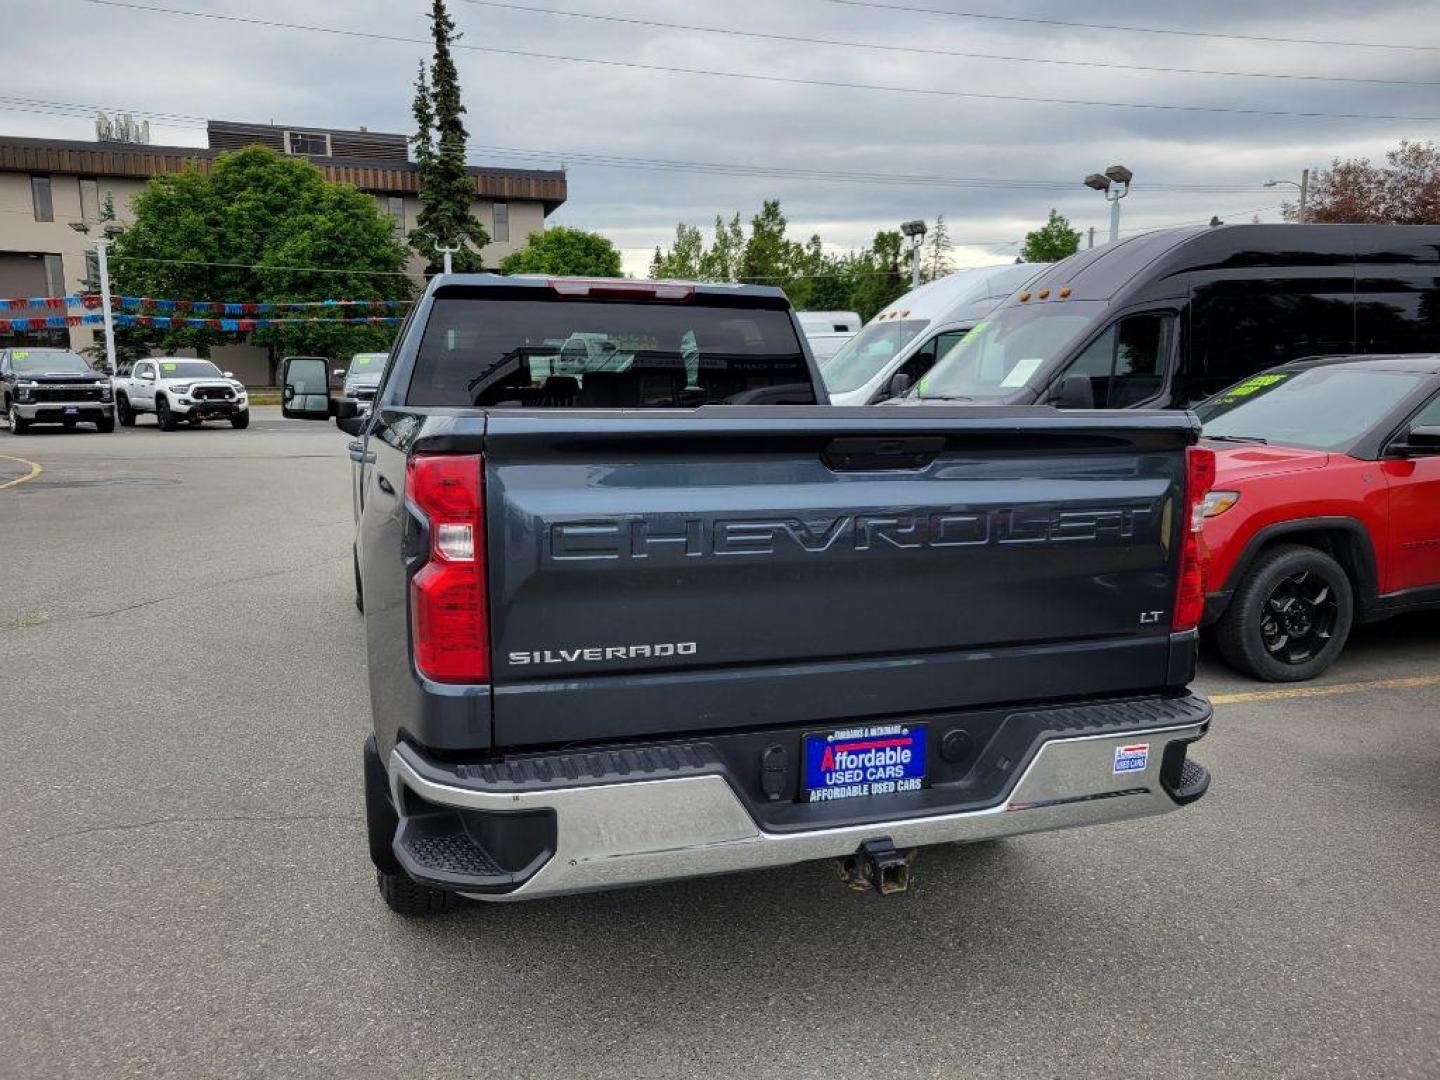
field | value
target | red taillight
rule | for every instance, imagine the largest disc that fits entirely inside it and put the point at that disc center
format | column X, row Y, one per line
column 1190, row 592
column 449, row 618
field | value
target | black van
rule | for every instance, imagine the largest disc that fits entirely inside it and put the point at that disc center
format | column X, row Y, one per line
column 1165, row 319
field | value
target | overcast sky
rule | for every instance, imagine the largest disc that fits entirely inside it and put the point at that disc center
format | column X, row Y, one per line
column 165, row 63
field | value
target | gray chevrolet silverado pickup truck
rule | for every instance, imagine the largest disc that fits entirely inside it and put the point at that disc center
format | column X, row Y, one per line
column 647, row 610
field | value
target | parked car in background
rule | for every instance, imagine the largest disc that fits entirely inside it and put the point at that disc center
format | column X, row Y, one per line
column 362, row 377
column 907, row 337
column 1325, row 509
column 53, row 386
column 1166, row 319
column 179, row 390
column 564, row 590
column 826, row 331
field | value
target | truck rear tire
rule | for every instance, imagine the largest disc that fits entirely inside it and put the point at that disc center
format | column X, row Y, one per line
column 405, row 896
column 402, row 894
column 1290, row 617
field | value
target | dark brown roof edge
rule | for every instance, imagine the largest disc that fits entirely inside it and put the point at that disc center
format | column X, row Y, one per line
column 18, row 154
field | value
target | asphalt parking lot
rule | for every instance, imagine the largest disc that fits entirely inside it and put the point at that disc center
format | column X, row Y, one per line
column 184, row 889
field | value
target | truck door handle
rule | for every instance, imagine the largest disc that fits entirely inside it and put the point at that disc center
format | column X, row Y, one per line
column 359, row 454
column 865, row 453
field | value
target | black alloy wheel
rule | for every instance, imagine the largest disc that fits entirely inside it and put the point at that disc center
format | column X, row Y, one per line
column 1290, row 617
column 1299, row 617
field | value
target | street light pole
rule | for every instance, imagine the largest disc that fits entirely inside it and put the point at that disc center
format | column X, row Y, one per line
column 447, row 252
column 102, row 246
column 1114, row 183
column 915, row 231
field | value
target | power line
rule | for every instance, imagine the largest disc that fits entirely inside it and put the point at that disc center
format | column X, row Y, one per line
column 834, row 84
column 922, row 51
column 674, row 165
column 115, row 256
column 779, row 172
column 1132, row 29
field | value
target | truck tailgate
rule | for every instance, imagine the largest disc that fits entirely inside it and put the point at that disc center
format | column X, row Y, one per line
column 727, row 568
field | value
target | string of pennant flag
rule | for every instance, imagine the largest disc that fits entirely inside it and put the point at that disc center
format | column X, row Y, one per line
column 176, row 322
column 49, row 322
column 180, row 322
column 214, row 307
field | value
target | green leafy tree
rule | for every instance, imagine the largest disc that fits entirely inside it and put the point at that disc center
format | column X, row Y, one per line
column 440, row 140
column 684, row 260
column 878, row 275
column 563, row 250
column 865, row 281
column 769, row 258
column 1053, row 241
column 258, row 227
column 722, row 261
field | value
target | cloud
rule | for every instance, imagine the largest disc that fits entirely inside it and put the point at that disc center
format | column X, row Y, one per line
column 172, row 64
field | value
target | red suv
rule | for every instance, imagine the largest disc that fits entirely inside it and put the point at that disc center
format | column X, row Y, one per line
column 1325, row 509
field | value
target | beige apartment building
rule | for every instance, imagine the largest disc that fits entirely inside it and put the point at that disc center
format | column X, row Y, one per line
column 51, row 191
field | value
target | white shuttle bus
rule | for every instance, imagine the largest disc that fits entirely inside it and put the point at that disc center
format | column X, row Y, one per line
column 903, row 342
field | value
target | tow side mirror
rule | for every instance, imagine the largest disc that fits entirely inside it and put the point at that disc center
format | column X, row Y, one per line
column 305, row 388
column 1422, row 441
column 1074, row 392
column 897, row 386
column 349, row 416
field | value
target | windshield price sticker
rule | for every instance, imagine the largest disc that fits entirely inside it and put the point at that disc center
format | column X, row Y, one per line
column 884, row 759
column 1021, row 372
column 1254, row 386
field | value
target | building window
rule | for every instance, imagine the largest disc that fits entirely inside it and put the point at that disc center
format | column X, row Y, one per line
column 395, row 207
column 89, row 199
column 54, row 276
column 502, row 223
column 307, row 144
column 92, row 272
column 40, row 193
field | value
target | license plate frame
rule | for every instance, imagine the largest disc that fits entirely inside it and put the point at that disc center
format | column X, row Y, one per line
column 866, row 761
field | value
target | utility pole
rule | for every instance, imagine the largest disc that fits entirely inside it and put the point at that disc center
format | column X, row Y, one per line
column 1092, row 237
column 102, row 246
column 1303, row 187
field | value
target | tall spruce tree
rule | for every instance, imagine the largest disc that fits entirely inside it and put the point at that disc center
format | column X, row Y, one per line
column 446, row 189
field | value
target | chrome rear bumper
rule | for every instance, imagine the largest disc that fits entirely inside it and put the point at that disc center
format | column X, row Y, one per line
column 628, row 833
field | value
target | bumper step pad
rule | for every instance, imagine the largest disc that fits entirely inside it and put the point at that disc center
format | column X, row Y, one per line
column 1194, row 782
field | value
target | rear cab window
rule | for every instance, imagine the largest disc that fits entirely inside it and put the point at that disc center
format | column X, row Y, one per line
column 530, row 348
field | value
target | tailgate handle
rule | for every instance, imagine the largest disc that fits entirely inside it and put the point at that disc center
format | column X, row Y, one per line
column 858, row 453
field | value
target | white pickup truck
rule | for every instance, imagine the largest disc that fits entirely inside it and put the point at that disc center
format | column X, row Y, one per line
column 179, row 390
